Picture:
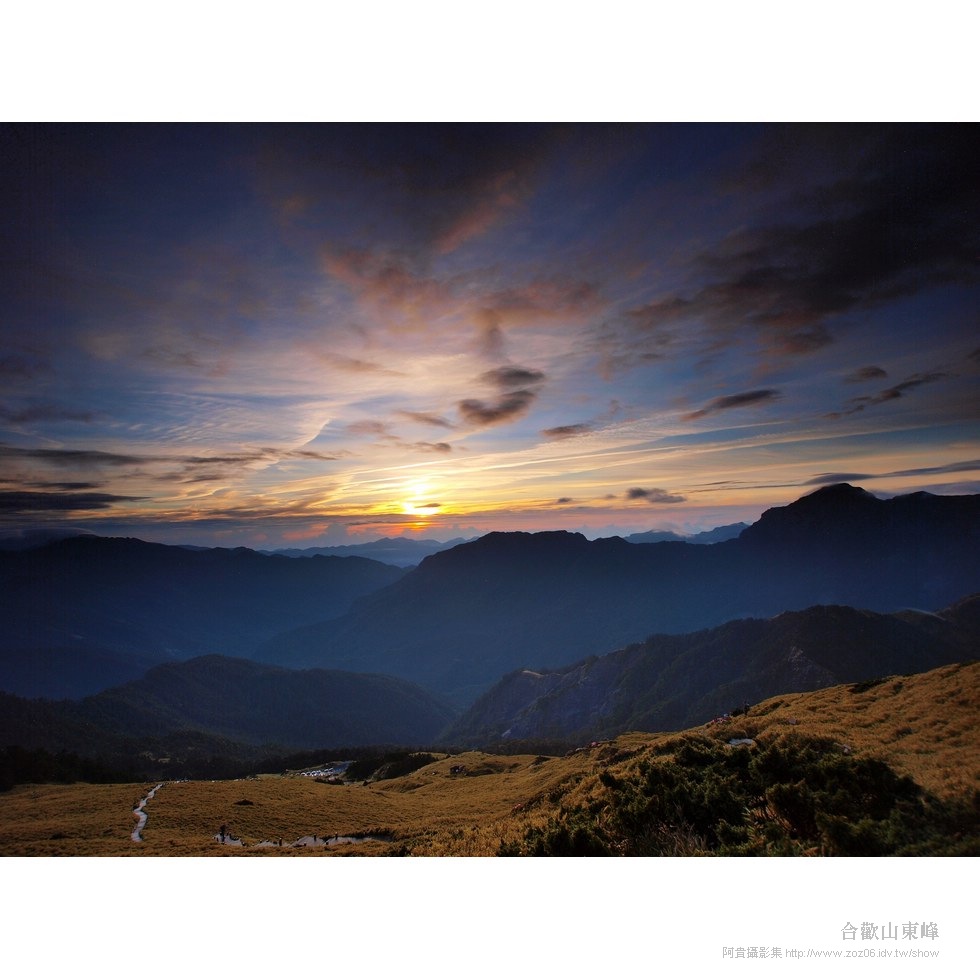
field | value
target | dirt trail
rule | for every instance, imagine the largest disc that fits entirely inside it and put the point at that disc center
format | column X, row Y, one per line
column 140, row 813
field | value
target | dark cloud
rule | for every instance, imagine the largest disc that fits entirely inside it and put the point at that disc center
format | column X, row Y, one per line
column 514, row 402
column 23, row 501
column 563, row 500
column 433, row 447
column 566, row 431
column 740, row 400
column 44, row 412
column 189, row 469
column 964, row 466
column 654, row 495
column 368, row 427
column 507, row 408
column 869, row 373
column 425, row 418
column 891, row 394
column 894, row 215
column 830, row 478
column 73, row 457
column 509, row 377
column 69, row 486
column 308, row 454
column 439, row 186
column 22, row 366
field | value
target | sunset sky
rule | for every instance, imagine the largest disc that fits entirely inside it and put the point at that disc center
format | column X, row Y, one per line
column 297, row 335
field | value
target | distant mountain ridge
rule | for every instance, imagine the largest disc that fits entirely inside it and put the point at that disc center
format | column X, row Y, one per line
column 723, row 533
column 466, row 616
column 85, row 612
column 673, row 682
column 391, row 551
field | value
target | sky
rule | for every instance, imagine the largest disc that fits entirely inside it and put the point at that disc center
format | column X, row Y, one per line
column 298, row 335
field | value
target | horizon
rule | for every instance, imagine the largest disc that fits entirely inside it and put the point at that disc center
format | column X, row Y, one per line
column 277, row 336
column 42, row 534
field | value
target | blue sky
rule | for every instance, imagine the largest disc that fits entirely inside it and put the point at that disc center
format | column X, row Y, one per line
column 271, row 335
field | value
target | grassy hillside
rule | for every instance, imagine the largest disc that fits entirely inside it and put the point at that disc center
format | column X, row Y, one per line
column 889, row 764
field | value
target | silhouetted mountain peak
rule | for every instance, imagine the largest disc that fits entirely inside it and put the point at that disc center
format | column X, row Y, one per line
column 505, row 545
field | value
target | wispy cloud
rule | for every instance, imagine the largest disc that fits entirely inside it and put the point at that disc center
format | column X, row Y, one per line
column 741, row 400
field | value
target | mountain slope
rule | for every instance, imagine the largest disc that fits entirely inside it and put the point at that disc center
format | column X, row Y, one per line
column 466, row 616
column 238, row 700
column 671, row 682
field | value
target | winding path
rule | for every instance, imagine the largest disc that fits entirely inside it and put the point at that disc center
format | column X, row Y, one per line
column 140, row 814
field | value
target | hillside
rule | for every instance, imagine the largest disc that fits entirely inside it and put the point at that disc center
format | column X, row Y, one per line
column 227, row 701
column 85, row 613
column 672, row 682
column 467, row 616
column 893, row 767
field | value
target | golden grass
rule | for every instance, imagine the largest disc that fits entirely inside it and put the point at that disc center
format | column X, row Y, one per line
column 924, row 726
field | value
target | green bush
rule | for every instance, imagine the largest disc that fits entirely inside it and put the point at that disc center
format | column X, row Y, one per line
column 799, row 796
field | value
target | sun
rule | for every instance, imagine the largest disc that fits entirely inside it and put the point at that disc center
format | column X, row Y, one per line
column 419, row 502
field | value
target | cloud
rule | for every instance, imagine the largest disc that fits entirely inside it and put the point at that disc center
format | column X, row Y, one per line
column 507, row 408
column 23, row 501
column 566, row 431
column 73, row 457
column 425, row 418
column 433, row 447
column 356, row 365
column 509, row 376
column 22, row 366
column 654, row 495
column 369, row 427
column 44, row 412
column 511, row 404
column 741, row 400
column 890, row 215
column 387, row 282
column 69, row 486
column 830, row 478
column 563, row 500
column 963, row 466
column 862, row 402
column 870, row 373
column 162, row 468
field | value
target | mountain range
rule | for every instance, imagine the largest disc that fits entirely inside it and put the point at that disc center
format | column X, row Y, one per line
column 84, row 613
column 465, row 617
column 507, row 637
